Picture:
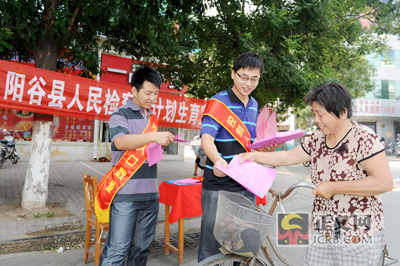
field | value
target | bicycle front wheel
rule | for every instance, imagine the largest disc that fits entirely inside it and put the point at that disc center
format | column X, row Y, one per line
column 228, row 260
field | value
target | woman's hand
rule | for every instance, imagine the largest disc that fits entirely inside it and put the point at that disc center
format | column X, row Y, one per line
column 248, row 156
column 324, row 189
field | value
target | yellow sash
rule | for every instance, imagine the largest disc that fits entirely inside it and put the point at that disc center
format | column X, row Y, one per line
column 229, row 120
column 127, row 166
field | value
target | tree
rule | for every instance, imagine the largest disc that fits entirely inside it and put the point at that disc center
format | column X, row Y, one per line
column 54, row 32
column 303, row 43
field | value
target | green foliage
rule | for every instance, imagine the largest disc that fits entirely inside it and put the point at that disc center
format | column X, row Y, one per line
column 50, row 214
column 38, row 215
column 303, row 43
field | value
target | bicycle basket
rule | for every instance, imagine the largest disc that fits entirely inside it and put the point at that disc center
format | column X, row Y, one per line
column 240, row 226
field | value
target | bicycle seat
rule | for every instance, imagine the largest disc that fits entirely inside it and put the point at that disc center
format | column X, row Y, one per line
column 4, row 141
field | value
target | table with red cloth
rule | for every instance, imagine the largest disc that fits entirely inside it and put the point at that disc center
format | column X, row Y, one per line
column 185, row 201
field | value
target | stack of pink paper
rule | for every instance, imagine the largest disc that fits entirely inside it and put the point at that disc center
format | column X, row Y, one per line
column 278, row 136
column 267, row 131
column 187, row 181
column 254, row 177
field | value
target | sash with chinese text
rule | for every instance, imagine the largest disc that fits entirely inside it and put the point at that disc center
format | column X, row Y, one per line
column 229, row 120
column 127, row 166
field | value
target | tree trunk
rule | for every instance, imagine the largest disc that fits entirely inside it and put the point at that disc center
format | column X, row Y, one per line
column 35, row 192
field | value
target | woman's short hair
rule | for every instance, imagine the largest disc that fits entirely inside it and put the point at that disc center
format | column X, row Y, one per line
column 143, row 74
column 333, row 96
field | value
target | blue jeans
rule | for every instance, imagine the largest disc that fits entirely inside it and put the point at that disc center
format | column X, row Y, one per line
column 209, row 200
column 131, row 232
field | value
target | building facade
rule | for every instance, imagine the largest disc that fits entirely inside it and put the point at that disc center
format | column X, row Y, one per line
column 380, row 108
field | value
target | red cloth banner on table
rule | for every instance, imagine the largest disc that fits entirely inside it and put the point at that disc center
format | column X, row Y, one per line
column 185, row 200
column 31, row 89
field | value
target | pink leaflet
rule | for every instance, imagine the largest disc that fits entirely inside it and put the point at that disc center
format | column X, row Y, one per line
column 253, row 176
column 278, row 136
column 154, row 153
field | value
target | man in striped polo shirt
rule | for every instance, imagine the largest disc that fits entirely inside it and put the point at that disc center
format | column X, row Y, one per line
column 220, row 145
column 134, row 209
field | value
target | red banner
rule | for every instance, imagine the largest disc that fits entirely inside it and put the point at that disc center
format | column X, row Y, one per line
column 64, row 127
column 31, row 89
column 72, row 129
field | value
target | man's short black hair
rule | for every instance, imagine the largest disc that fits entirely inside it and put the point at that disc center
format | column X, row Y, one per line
column 333, row 96
column 143, row 74
column 248, row 60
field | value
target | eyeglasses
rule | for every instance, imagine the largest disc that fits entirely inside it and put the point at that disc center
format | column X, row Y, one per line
column 245, row 79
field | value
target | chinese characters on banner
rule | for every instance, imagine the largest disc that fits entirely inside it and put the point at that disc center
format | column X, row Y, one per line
column 31, row 89
column 64, row 128
column 375, row 107
column 72, row 129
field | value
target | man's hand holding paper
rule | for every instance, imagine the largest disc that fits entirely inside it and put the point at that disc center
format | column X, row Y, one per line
column 254, row 177
column 220, row 163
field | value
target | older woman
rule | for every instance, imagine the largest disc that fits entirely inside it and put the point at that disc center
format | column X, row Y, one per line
column 350, row 169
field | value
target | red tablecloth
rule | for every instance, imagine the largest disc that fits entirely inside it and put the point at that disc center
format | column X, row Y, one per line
column 185, row 200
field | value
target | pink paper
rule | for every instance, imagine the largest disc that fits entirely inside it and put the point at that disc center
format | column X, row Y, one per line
column 266, row 124
column 271, row 126
column 267, row 131
column 177, row 138
column 188, row 181
column 154, row 153
column 278, row 136
column 253, row 176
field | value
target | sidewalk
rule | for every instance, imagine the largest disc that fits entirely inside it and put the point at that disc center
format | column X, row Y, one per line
column 66, row 192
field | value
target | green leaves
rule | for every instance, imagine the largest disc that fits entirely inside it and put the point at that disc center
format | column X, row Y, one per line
column 303, row 43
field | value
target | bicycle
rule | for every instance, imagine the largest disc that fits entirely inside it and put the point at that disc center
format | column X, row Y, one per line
column 270, row 254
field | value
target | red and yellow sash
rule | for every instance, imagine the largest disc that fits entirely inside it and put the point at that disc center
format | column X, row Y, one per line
column 229, row 120
column 129, row 163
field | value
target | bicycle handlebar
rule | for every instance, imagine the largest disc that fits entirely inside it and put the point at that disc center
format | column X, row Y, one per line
column 279, row 196
column 291, row 188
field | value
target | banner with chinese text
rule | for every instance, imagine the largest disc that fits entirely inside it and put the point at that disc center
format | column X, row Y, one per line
column 30, row 89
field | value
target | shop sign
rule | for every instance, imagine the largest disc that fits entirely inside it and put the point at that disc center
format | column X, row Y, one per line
column 375, row 107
